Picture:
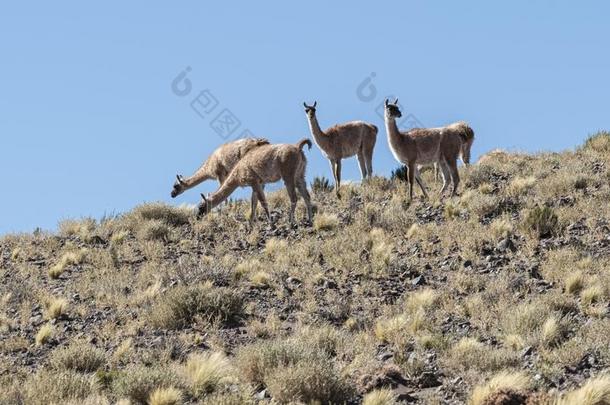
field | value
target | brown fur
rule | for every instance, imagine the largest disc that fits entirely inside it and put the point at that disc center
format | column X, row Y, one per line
column 356, row 138
column 423, row 146
column 218, row 165
column 266, row 164
column 466, row 136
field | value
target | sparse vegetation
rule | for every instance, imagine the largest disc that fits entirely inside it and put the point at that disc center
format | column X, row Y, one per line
column 165, row 396
column 207, row 372
column 321, row 185
column 45, row 333
column 507, row 384
column 542, row 222
column 56, row 307
column 180, row 306
column 78, row 356
column 499, row 294
column 325, row 222
column 138, row 383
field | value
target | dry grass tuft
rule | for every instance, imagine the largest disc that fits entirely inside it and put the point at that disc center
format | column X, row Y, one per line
column 167, row 214
column 425, row 300
column 507, row 382
column 593, row 294
column 154, row 230
column 56, row 307
column 325, row 222
column 180, row 306
column 58, row 387
column 575, row 282
column 599, row 142
column 308, row 382
column 207, row 372
column 521, row 185
column 542, row 222
column 165, row 396
column 552, row 331
column 260, row 279
column 246, row 268
column 68, row 259
column 275, row 247
column 45, row 333
column 380, row 397
column 78, row 356
column 119, row 237
column 414, row 231
column 501, row 228
column 391, row 329
column 137, row 383
column 596, row 391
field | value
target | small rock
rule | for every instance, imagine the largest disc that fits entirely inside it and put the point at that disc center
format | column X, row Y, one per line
column 261, row 395
column 419, row 280
column 293, row 280
column 403, row 394
column 385, row 356
column 36, row 320
column 428, row 379
column 505, row 244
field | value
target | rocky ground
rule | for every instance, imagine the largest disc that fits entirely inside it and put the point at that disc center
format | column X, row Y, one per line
column 499, row 295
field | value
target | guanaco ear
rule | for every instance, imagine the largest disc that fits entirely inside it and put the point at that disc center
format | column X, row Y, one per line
column 396, row 101
column 203, row 197
column 315, row 103
column 387, row 102
column 305, row 104
column 179, row 178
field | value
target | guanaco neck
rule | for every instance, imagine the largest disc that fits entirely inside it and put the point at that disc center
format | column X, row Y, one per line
column 225, row 190
column 319, row 137
column 394, row 137
column 197, row 178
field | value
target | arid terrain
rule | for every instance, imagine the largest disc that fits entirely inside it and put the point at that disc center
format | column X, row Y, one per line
column 498, row 296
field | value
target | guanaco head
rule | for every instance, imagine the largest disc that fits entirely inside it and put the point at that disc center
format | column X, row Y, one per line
column 310, row 110
column 391, row 109
column 466, row 151
column 179, row 186
column 204, row 207
column 467, row 138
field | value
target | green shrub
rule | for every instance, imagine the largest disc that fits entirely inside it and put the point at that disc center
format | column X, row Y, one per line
column 298, row 369
column 169, row 215
column 400, row 174
column 542, row 222
column 180, row 306
column 321, row 185
column 309, row 381
column 79, row 356
column 137, row 383
column 49, row 386
column 154, row 230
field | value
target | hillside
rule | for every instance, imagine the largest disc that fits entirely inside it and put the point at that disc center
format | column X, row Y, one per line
column 500, row 294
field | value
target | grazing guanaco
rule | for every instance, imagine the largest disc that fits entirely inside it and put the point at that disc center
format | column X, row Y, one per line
column 218, row 165
column 355, row 138
column 265, row 164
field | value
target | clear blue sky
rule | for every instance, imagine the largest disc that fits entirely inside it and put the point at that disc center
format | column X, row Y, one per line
column 89, row 123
